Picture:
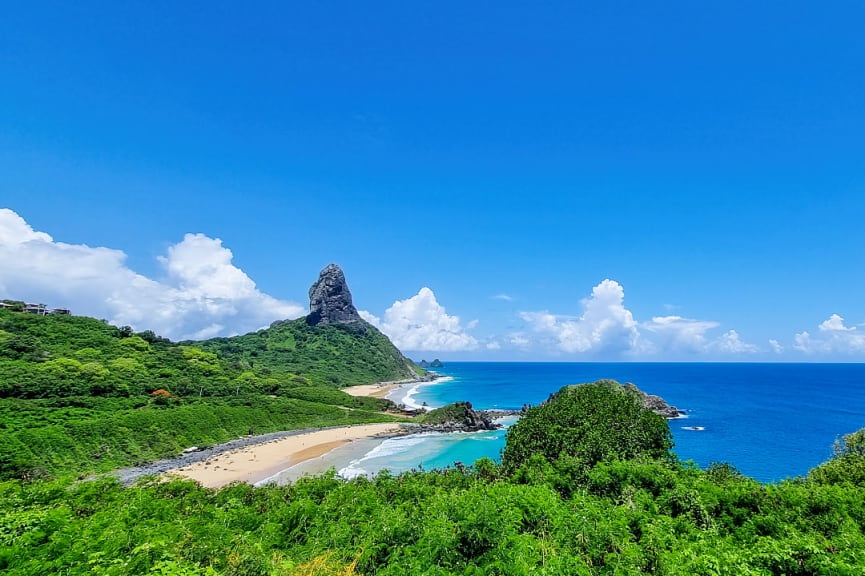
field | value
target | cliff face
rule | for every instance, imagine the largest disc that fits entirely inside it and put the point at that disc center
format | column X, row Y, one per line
column 330, row 300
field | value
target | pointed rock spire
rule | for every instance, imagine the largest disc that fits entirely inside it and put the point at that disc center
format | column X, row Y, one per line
column 330, row 299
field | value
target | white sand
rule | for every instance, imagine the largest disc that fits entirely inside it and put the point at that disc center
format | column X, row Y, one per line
column 256, row 463
column 373, row 390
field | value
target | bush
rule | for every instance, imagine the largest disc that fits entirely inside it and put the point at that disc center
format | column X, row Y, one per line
column 588, row 423
column 848, row 464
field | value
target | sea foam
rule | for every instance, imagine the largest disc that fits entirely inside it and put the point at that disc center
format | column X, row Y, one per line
column 408, row 399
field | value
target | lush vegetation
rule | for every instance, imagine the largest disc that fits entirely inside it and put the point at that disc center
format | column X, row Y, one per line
column 79, row 395
column 630, row 513
column 586, row 424
column 456, row 412
column 587, row 486
column 335, row 355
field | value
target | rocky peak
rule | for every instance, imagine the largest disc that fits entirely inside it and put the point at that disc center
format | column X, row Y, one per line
column 330, row 299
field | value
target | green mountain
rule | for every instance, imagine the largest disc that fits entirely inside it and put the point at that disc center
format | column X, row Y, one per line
column 333, row 354
column 333, row 345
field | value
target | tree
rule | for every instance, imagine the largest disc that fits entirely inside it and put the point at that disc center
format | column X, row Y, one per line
column 587, row 423
column 848, row 464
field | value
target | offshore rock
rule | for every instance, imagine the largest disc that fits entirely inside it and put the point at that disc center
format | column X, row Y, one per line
column 654, row 403
column 330, row 300
column 459, row 417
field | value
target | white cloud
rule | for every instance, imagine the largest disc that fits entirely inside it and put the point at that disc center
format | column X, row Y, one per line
column 802, row 341
column 203, row 294
column 605, row 326
column 674, row 333
column 504, row 297
column 835, row 338
column 776, row 346
column 493, row 345
column 834, row 324
column 678, row 334
column 519, row 340
column 730, row 343
column 420, row 323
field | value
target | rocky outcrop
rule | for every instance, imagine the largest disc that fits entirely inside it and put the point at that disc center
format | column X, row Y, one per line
column 459, row 417
column 330, row 300
column 654, row 403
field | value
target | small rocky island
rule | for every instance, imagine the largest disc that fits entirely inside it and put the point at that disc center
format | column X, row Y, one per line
column 650, row 401
column 460, row 417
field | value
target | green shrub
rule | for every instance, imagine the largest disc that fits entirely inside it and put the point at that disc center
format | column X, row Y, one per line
column 589, row 423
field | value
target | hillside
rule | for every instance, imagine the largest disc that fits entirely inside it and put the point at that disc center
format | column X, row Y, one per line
column 79, row 395
column 335, row 355
column 332, row 345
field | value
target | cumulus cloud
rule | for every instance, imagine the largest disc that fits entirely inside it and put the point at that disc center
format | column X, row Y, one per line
column 835, row 324
column 420, row 323
column 202, row 295
column 776, row 346
column 605, row 325
column 686, row 335
column 675, row 333
column 834, row 337
column 731, row 343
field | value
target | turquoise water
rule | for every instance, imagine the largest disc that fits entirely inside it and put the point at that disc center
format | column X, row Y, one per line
column 771, row 421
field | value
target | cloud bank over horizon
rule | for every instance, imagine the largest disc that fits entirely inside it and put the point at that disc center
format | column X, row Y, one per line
column 833, row 337
column 202, row 295
column 606, row 329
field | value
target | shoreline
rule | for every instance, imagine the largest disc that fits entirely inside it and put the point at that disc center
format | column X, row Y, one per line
column 257, row 463
column 286, row 456
column 192, row 457
column 377, row 390
column 400, row 392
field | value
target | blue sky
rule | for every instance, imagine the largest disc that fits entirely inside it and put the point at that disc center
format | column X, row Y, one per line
column 598, row 182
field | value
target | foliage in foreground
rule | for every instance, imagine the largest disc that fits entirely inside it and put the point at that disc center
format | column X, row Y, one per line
column 627, row 517
column 633, row 511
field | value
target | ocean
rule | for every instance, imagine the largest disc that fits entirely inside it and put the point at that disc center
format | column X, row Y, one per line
column 770, row 421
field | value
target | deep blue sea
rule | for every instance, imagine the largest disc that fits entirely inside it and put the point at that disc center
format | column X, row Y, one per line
column 770, row 421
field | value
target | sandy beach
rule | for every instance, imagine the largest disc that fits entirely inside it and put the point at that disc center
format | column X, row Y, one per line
column 380, row 390
column 261, row 461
